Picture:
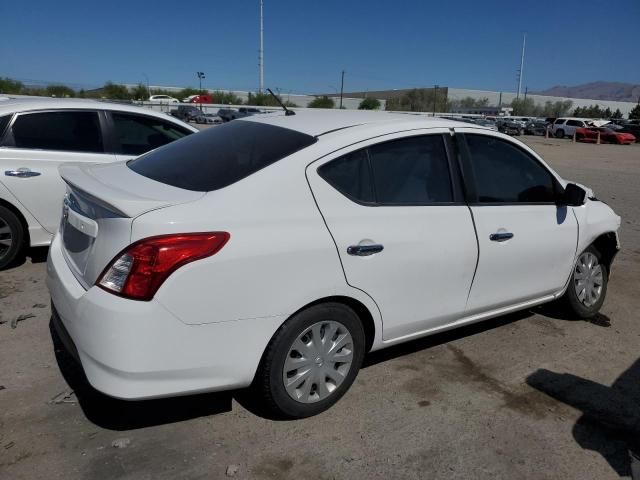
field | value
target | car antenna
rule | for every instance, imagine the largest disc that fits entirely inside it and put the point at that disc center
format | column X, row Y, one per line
column 287, row 112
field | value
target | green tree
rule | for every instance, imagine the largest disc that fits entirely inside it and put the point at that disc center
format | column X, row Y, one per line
column 60, row 91
column 115, row 91
column 8, row 85
column 635, row 113
column 262, row 100
column 526, row 107
column 617, row 114
column 140, row 92
column 420, row 100
column 322, row 102
column 470, row 102
column 557, row 109
column 369, row 103
column 225, row 98
column 607, row 113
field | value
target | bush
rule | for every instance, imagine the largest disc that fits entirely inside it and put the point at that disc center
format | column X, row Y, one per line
column 322, row 102
column 369, row 103
column 7, row 85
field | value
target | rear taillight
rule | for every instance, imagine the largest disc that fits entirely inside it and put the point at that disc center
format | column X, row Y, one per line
column 138, row 271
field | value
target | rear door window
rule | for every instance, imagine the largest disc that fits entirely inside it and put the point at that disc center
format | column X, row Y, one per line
column 575, row 123
column 137, row 134
column 218, row 157
column 71, row 131
column 4, row 121
column 408, row 171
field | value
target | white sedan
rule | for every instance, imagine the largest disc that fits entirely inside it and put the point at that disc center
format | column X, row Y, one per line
column 37, row 135
column 281, row 249
column 163, row 99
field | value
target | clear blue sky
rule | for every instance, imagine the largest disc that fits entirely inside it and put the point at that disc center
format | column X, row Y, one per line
column 380, row 44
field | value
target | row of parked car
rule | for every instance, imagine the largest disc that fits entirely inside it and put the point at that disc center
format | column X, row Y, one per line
column 191, row 113
column 585, row 129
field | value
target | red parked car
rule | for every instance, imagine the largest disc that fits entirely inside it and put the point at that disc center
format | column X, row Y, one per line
column 607, row 135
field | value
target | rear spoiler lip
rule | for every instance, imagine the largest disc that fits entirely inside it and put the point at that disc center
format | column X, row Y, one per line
column 103, row 184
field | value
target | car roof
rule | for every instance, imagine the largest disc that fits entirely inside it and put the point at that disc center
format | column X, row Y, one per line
column 25, row 104
column 321, row 122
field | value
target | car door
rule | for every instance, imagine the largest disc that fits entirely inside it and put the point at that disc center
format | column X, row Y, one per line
column 133, row 134
column 527, row 243
column 33, row 147
column 401, row 228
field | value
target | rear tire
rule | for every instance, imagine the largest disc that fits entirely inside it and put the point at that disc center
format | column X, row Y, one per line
column 311, row 361
column 588, row 285
column 11, row 237
column 560, row 133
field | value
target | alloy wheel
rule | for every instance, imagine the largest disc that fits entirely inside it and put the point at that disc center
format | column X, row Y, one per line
column 318, row 362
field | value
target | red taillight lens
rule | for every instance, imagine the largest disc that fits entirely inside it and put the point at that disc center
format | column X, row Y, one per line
column 138, row 271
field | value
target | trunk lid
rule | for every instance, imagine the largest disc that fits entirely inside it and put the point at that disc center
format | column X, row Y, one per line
column 100, row 204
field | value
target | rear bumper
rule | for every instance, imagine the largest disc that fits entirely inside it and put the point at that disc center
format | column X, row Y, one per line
column 136, row 350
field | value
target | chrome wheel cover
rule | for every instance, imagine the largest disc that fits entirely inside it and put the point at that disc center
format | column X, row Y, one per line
column 318, row 362
column 588, row 278
column 6, row 238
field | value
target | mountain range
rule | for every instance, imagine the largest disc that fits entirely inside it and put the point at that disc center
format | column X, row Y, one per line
column 621, row 92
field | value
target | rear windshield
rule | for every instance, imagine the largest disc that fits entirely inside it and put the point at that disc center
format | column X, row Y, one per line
column 220, row 156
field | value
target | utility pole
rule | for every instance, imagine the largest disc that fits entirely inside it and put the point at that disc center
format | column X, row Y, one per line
column 261, row 51
column 435, row 96
column 200, row 77
column 341, row 88
column 526, row 90
column 521, row 71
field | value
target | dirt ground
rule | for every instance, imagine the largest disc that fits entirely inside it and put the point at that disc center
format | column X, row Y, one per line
column 527, row 396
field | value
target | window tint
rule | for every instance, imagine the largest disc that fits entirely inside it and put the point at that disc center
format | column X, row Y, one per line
column 559, row 121
column 574, row 123
column 4, row 121
column 137, row 134
column 350, row 175
column 68, row 131
column 506, row 174
column 218, row 157
column 411, row 171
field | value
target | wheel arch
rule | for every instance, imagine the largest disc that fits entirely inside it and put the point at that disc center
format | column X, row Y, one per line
column 607, row 246
column 363, row 312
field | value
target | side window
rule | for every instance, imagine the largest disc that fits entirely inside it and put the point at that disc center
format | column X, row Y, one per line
column 137, row 134
column 411, row 171
column 559, row 122
column 505, row 174
column 351, row 176
column 72, row 131
column 574, row 123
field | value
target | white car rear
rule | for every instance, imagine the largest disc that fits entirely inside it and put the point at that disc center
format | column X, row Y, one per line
column 280, row 249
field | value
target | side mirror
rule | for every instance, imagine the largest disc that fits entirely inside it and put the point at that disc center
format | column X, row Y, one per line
column 573, row 195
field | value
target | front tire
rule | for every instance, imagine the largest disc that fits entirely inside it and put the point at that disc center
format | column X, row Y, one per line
column 311, row 361
column 560, row 133
column 588, row 284
column 11, row 237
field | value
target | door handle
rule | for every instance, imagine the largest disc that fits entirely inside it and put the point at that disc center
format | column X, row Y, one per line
column 364, row 250
column 21, row 173
column 500, row 237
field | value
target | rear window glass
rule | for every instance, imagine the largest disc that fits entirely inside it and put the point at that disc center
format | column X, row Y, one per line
column 218, row 157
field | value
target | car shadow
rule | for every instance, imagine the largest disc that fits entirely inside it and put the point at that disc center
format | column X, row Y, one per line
column 36, row 254
column 114, row 414
column 610, row 421
column 431, row 341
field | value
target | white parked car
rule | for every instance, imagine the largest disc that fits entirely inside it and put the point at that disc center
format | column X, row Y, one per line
column 37, row 135
column 163, row 99
column 281, row 249
column 566, row 127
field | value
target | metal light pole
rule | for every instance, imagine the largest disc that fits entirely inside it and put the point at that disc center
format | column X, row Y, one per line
column 261, row 51
column 341, row 88
column 521, row 71
column 435, row 95
column 147, row 79
column 200, row 75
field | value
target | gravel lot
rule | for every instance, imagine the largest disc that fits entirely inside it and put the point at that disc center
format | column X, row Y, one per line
column 523, row 396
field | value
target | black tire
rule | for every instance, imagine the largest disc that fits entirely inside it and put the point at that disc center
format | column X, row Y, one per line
column 572, row 302
column 268, row 384
column 560, row 133
column 10, row 227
